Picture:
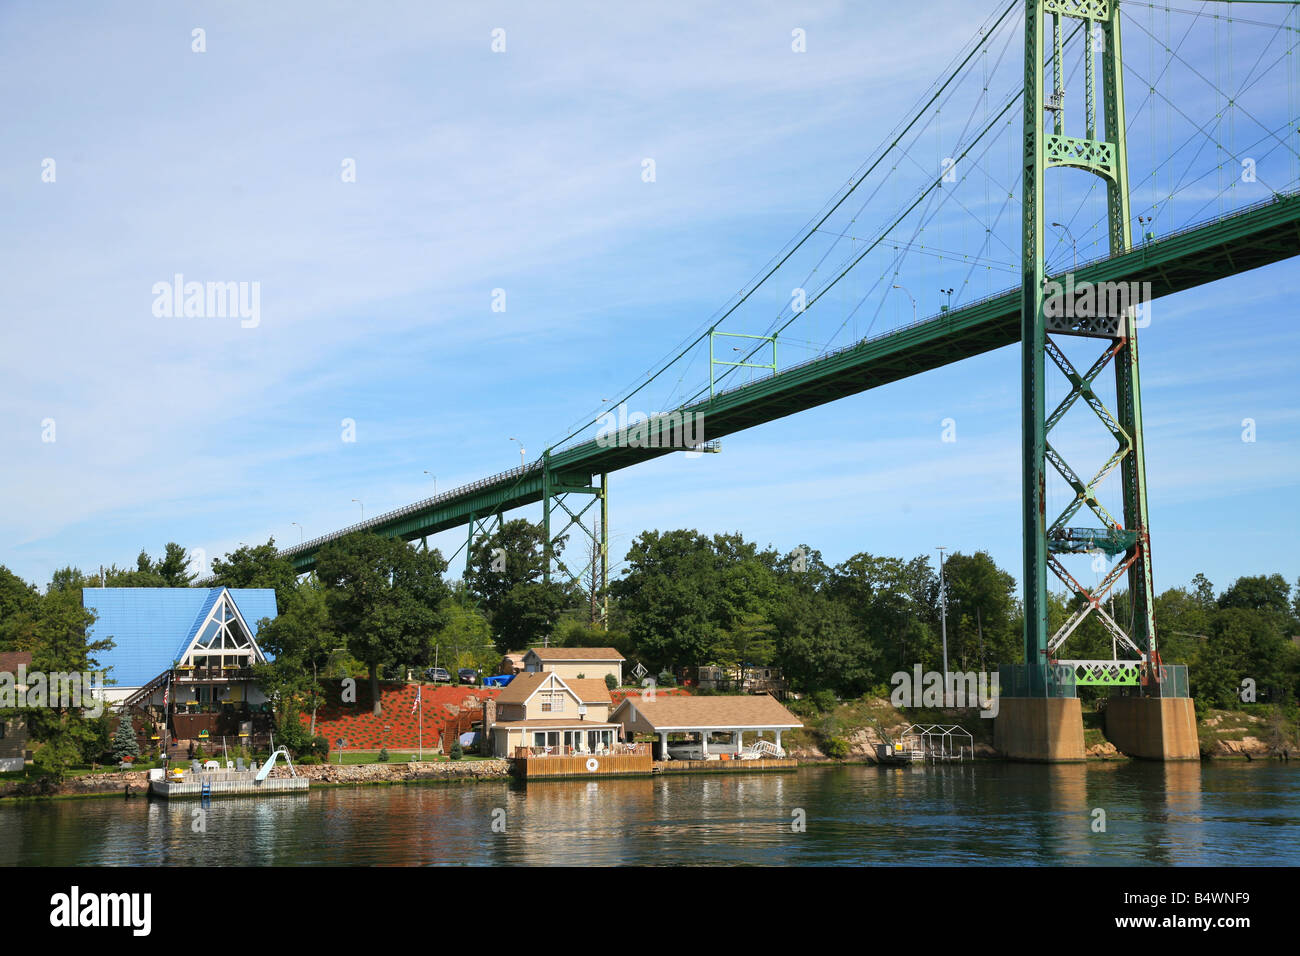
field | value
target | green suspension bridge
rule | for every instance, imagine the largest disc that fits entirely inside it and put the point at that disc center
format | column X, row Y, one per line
column 1193, row 128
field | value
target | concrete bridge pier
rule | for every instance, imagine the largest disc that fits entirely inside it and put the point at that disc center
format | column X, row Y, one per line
column 1039, row 729
column 1153, row 728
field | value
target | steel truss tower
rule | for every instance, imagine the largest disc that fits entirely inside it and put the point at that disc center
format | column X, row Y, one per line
column 1051, row 308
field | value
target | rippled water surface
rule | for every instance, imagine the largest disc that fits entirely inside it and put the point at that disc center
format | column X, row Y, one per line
column 1004, row 814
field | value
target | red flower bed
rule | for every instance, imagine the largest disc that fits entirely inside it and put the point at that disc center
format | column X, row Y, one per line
column 441, row 706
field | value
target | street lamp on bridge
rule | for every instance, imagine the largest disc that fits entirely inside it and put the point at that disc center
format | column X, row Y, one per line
column 910, row 296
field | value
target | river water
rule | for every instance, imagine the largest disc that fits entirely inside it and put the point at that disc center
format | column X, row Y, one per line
column 1223, row 813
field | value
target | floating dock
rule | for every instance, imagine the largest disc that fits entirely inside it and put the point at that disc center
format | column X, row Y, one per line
column 225, row 783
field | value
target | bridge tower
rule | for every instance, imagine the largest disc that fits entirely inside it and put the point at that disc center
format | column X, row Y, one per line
column 1040, row 718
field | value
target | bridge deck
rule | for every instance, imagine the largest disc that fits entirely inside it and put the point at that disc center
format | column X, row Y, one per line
column 1247, row 239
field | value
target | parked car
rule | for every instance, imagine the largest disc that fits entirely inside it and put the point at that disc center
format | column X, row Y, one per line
column 467, row 675
column 439, row 674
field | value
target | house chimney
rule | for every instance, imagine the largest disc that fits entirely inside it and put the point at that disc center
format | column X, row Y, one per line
column 489, row 718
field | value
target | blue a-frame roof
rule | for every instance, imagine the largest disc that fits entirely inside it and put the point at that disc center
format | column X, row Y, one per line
column 152, row 627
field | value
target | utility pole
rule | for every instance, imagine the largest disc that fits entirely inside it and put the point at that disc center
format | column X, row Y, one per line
column 943, row 622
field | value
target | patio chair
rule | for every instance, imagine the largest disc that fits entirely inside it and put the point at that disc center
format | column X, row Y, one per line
column 194, row 766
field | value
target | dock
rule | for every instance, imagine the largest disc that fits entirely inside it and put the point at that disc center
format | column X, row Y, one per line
column 225, row 783
column 635, row 762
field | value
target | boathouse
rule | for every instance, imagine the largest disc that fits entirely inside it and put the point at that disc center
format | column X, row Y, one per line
column 716, row 727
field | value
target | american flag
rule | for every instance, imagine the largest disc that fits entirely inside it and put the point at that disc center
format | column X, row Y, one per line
column 167, row 693
column 415, row 704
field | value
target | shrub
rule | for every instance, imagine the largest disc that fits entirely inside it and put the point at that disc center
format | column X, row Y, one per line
column 824, row 700
column 881, row 691
column 309, row 760
column 124, row 742
column 837, row 748
column 611, row 682
column 457, row 752
column 383, row 755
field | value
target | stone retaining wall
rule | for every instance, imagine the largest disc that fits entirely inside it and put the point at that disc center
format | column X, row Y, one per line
column 400, row 772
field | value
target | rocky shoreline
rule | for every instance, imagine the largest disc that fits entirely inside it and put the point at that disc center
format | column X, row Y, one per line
column 136, row 782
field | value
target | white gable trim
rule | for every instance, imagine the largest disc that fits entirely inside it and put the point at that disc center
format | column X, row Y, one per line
column 224, row 599
column 547, row 685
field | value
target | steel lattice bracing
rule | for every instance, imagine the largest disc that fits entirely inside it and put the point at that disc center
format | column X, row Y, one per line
column 1106, row 317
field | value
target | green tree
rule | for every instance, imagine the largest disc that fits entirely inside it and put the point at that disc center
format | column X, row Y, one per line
column 894, row 606
column 981, row 605
column 54, row 630
column 298, row 642
column 258, row 567
column 668, row 596
column 822, row 647
column 1261, row 592
column 124, row 742
column 506, row 574
column 174, row 567
column 464, row 640
column 384, row 597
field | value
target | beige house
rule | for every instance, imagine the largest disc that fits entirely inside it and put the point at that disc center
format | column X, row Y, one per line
column 716, row 726
column 591, row 663
column 512, row 663
column 546, row 713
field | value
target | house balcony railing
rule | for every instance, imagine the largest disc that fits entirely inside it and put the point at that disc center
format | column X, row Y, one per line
column 523, row 753
column 213, row 673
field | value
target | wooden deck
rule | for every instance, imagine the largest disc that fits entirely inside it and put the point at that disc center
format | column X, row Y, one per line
column 583, row 765
column 724, row 766
column 226, row 783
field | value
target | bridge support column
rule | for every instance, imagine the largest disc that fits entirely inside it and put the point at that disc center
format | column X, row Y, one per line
column 593, row 574
column 1153, row 728
column 1039, row 729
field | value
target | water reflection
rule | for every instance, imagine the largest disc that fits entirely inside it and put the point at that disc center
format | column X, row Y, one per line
column 1001, row 814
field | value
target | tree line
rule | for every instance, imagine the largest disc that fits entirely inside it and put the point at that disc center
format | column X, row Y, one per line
column 380, row 608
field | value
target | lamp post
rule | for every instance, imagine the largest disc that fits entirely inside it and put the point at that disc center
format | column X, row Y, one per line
column 1066, row 229
column 299, row 527
column 948, row 305
column 435, row 481
column 363, row 508
column 521, row 452
column 910, row 296
column 943, row 622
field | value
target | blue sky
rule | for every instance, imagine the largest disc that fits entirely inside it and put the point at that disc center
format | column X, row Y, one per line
column 523, row 171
